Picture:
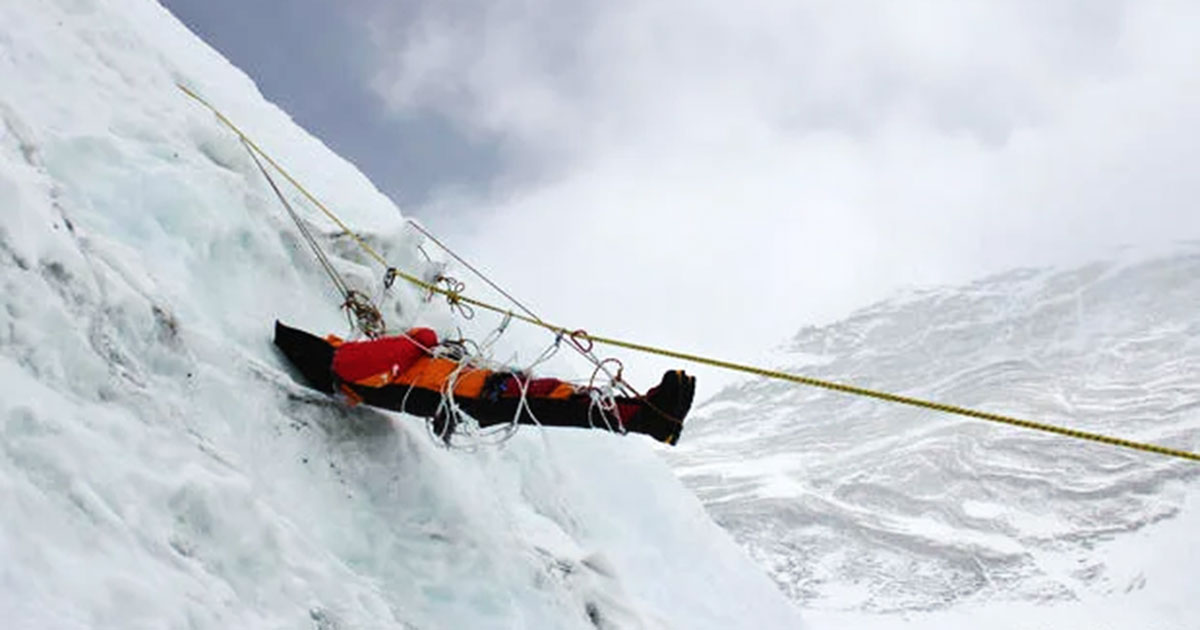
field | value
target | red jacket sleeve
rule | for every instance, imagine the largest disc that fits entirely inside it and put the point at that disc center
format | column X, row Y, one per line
column 357, row 360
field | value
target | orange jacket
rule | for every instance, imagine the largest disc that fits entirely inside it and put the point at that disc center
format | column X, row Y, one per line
column 405, row 360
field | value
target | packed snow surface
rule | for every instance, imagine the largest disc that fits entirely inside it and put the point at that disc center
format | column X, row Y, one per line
column 944, row 521
column 160, row 467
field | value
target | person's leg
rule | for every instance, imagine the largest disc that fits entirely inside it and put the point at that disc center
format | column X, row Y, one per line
column 547, row 401
column 577, row 410
column 550, row 402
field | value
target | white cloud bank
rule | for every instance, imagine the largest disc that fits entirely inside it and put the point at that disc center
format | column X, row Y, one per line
column 712, row 175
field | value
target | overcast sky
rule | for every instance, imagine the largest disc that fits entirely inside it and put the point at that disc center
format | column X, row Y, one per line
column 316, row 60
column 713, row 175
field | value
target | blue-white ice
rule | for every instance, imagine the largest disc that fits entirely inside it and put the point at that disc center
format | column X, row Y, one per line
column 159, row 469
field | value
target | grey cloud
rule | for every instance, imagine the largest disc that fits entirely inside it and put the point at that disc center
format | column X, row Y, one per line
column 315, row 58
column 809, row 154
column 543, row 69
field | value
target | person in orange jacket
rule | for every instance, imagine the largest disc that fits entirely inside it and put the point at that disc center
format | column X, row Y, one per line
column 401, row 373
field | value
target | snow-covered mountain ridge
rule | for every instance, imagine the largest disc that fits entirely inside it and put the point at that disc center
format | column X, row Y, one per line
column 159, row 468
column 858, row 504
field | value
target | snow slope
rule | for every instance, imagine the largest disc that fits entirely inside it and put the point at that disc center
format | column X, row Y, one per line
column 159, row 468
column 942, row 521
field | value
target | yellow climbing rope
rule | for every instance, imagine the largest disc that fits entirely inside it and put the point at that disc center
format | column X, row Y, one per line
column 456, row 297
column 244, row 138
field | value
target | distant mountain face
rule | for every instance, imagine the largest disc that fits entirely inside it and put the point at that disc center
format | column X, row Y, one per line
column 856, row 504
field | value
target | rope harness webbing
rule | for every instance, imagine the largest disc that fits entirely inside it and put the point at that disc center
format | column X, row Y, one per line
column 586, row 352
column 579, row 335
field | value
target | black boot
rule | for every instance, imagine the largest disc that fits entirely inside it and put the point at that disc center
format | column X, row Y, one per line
column 664, row 407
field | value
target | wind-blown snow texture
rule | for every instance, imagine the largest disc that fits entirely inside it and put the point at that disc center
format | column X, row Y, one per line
column 159, row 468
column 860, row 505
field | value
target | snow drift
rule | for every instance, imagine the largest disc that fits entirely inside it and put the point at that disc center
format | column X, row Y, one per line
column 159, row 468
column 860, row 505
